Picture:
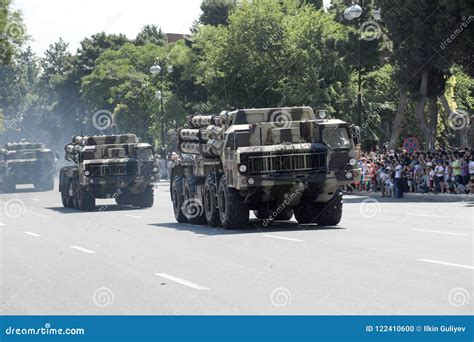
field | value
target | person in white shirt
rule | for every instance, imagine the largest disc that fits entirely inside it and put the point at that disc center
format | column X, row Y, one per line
column 439, row 177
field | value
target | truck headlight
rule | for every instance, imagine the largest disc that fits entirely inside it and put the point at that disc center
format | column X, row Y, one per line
column 251, row 181
column 348, row 175
column 86, row 173
column 243, row 168
column 155, row 169
column 352, row 162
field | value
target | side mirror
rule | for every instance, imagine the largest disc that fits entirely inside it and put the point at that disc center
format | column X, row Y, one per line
column 355, row 131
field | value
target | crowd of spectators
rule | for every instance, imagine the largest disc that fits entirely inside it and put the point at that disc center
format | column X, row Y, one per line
column 394, row 172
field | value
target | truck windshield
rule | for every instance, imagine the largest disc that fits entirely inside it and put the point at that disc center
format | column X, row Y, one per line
column 336, row 137
column 145, row 154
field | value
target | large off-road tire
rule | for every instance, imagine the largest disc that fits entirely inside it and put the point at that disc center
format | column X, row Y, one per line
column 324, row 214
column 86, row 200
column 46, row 184
column 193, row 207
column 211, row 209
column 330, row 213
column 144, row 199
column 234, row 214
column 306, row 213
column 75, row 191
column 178, row 199
column 65, row 196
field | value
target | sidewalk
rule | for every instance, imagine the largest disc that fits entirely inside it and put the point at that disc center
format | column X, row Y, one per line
column 419, row 196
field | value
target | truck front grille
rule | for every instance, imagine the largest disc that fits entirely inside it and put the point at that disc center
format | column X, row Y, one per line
column 284, row 161
column 129, row 169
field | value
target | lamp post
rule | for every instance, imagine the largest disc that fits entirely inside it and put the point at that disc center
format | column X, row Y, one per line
column 158, row 69
column 353, row 12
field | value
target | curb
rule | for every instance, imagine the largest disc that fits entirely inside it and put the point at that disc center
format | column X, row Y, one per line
column 419, row 196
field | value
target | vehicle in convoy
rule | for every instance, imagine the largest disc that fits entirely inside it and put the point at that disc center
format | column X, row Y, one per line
column 278, row 162
column 26, row 163
column 108, row 166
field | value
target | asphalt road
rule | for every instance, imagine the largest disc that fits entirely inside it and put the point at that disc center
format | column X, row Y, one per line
column 411, row 256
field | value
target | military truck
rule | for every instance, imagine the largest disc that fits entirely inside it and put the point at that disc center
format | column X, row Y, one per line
column 278, row 162
column 108, row 166
column 26, row 163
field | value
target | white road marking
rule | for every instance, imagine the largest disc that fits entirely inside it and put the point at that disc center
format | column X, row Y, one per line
column 32, row 234
column 427, row 215
column 82, row 249
column 438, row 232
column 133, row 216
column 447, row 263
column 34, row 199
column 182, row 281
column 2, row 224
column 282, row 238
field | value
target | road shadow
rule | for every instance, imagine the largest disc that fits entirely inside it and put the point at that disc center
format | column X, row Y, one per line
column 98, row 209
column 254, row 226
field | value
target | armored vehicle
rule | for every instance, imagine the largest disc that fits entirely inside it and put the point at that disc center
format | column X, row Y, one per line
column 108, row 166
column 26, row 163
column 278, row 162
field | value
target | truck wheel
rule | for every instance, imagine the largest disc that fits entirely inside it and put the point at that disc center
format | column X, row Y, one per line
column 211, row 209
column 86, row 200
column 306, row 213
column 144, row 199
column 192, row 207
column 178, row 199
column 233, row 213
column 65, row 197
column 75, row 196
column 330, row 212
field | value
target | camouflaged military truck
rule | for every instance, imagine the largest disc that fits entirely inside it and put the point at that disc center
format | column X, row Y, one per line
column 26, row 163
column 278, row 162
column 108, row 166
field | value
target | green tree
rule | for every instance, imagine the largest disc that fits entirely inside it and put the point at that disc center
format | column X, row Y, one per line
column 215, row 12
column 150, row 34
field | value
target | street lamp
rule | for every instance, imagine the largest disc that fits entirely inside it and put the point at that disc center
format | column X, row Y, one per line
column 353, row 12
column 159, row 70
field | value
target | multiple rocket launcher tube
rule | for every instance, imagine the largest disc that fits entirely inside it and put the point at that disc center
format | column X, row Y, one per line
column 204, row 135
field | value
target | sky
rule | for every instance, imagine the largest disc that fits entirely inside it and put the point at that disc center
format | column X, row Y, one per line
column 73, row 20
